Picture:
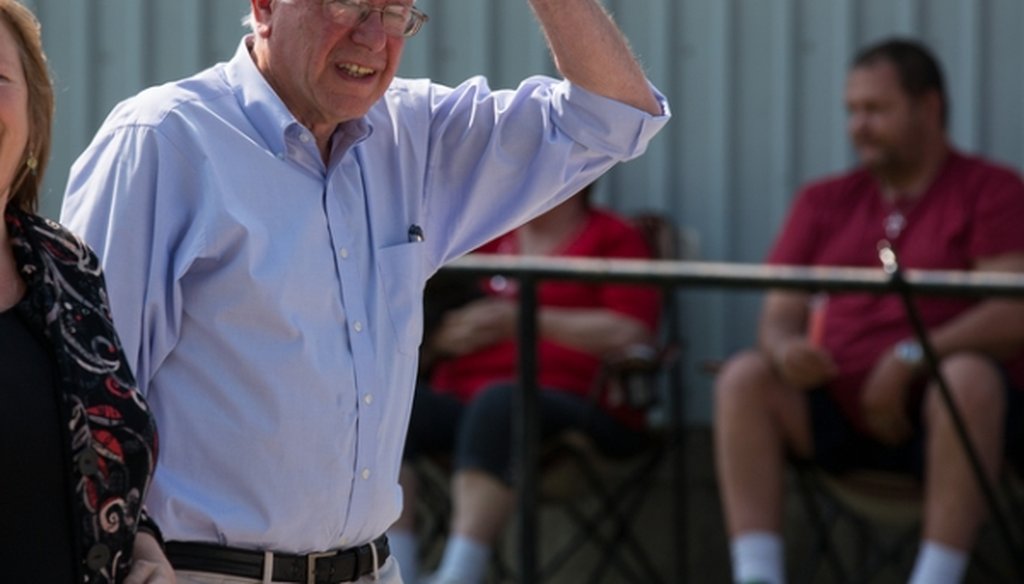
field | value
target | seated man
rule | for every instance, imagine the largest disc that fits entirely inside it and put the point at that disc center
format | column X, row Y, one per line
column 466, row 409
column 858, row 394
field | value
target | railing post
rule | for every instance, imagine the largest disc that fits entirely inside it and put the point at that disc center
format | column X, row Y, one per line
column 526, row 433
column 677, row 439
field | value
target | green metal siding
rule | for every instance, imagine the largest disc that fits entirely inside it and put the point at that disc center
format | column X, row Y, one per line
column 755, row 86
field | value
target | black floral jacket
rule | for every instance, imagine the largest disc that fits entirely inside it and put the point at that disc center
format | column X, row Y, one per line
column 111, row 436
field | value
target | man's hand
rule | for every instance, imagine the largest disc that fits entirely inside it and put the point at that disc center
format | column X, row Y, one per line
column 801, row 364
column 884, row 400
column 479, row 324
column 149, row 564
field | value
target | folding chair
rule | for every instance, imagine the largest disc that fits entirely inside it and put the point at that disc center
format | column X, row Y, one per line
column 875, row 515
column 599, row 495
column 866, row 527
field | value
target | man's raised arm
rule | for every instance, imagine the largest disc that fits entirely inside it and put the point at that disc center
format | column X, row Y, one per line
column 591, row 51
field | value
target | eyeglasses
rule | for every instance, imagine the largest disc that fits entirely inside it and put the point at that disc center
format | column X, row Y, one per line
column 400, row 20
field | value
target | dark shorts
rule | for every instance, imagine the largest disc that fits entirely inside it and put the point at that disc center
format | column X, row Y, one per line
column 839, row 447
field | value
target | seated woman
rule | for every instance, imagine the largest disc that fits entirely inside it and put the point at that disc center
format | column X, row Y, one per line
column 464, row 409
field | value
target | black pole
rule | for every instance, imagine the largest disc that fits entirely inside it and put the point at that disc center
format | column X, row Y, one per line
column 677, row 437
column 525, row 431
column 891, row 265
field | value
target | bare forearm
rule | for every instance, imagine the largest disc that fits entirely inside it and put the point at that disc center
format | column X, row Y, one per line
column 599, row 332
column 591, row 51
column 783, row 318
column 994, row 327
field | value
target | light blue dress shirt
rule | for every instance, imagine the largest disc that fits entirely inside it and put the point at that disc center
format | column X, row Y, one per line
column 271, row 304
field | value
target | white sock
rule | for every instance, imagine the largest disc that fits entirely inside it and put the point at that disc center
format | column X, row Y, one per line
column 464, row 561
column 938, row 564
column 757, row 557
column 405, row 548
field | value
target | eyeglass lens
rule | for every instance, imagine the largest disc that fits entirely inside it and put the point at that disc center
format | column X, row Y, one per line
column 398, row 19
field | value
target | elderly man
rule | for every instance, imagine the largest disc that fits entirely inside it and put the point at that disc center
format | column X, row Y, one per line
column 851, row 389
column 267, row 227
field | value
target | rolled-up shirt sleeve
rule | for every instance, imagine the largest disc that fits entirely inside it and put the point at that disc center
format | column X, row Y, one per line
column 496, row 157
column 575, row 107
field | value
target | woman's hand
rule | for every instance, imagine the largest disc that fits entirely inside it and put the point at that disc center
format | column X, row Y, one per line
column 479, row 324
column 149, row 564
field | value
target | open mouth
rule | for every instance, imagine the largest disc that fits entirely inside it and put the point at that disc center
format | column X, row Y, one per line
column 357, row 71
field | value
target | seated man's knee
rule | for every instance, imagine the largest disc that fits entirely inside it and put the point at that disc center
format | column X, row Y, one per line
column 743, row 377
column 976, row 385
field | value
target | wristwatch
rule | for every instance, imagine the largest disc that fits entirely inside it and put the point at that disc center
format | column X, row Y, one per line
column 909, row 352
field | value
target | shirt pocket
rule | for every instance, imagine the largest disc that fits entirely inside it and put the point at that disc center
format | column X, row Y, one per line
column 401, row 271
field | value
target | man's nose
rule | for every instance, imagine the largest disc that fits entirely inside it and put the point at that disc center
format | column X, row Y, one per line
column 857, row 123
column 369, row 31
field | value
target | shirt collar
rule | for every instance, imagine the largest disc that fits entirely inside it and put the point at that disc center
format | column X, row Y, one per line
column 264, row 108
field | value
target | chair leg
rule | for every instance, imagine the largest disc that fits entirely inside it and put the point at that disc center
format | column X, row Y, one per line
column 590, row 533
column 878, row 548
column 615, row 508
column 823, row 529
column 621, row 506
column 607, row 527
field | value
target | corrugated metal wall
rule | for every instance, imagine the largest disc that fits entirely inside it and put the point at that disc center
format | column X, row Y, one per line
column 756, row 87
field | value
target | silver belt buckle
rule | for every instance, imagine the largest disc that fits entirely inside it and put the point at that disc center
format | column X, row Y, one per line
column 311, row 564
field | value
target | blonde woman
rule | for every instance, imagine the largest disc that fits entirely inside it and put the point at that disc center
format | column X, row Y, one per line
column 80, row 443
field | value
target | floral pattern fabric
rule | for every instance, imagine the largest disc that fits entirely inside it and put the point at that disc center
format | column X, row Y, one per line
column 111, row 434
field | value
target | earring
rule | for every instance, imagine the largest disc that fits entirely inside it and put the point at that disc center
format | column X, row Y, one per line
column 32, row 163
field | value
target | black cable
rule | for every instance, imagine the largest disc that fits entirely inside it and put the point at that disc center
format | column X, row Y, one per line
column 890, row 264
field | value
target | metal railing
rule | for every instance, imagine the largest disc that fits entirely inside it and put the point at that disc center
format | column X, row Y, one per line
column 669, row 274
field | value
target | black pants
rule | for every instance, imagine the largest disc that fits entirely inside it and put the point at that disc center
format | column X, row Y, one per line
column 479, row 434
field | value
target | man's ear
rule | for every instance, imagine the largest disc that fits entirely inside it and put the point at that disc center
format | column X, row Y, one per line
column 261, row 11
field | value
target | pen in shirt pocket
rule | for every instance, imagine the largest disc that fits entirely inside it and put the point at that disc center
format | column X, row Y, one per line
column 415, row 233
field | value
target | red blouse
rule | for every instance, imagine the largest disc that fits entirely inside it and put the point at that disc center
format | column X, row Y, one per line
column 604, row 235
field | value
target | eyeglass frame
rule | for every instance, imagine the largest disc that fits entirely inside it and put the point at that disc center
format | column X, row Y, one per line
column 417, row 18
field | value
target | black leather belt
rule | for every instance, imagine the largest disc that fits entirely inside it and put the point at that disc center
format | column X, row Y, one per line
column 320, row 568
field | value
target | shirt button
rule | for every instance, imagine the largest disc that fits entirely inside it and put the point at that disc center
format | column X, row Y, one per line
column 366, row 474
column 358, row 325
column 343, row 252
column 368, row 399
column 280, row 155
column 304, row 137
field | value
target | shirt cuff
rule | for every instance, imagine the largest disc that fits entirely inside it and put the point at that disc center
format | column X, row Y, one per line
column 600, row 123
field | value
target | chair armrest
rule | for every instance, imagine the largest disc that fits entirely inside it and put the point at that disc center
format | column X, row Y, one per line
column 637, row 357
column 628, row 376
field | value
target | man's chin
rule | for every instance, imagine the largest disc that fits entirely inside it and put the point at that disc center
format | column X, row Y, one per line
column 871, row 158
